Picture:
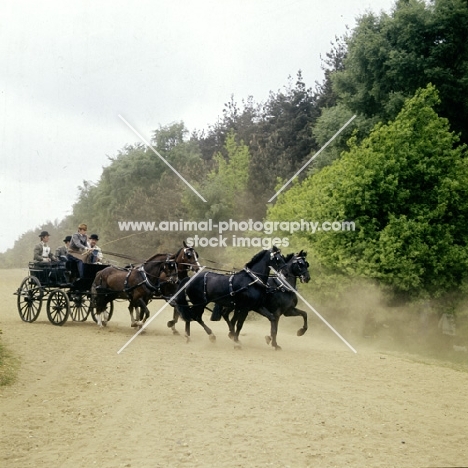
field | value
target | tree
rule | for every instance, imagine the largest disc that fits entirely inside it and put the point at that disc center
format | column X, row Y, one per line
column 405, row 187
column 283, row 138
column 139, row 186
column 226, row 185
column 390, row 56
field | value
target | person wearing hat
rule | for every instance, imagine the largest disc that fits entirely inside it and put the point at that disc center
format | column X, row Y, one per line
column 78, row 249
column 96, row 253
column 42, row 252
column 61, row 252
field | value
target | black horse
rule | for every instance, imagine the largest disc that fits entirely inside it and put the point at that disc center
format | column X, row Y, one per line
column 279, row 301
column 243, row 290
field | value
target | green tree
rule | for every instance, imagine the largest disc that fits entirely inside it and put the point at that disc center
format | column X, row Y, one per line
column 225, row 186
column 390, row 56
column 405, row 187
column 283, row 138
column 139, row 186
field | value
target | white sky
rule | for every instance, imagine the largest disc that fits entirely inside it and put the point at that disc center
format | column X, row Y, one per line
column 68, row 69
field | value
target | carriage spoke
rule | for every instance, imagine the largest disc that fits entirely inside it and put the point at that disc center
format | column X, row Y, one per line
column 29, row 300
column 80, row 305
column 58, row 307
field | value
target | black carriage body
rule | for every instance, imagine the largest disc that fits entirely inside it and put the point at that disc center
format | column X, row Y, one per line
column 50, row 275
column 90, row 271
column 60, row 285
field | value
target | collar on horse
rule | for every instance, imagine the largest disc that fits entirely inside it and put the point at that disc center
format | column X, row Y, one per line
column 144, row 282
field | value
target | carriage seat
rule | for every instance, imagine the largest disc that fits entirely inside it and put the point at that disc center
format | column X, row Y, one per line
column 50, row 273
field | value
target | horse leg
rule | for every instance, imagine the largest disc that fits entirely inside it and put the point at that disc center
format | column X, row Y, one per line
column 171, row 324
column 144, row 312
column 207, row 330
column 225, row 311
column 99, row 303
column 99, row 319
column 133, row 321
column 273, row 332
column 187, row 331
column 238, row 320
column 295, row 313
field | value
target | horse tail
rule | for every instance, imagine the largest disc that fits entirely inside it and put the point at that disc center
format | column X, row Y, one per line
column 217, row 313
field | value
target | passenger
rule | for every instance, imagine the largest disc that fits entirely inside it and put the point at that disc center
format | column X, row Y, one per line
column 61, row 252
column 42, row 252
column 95, row 255
column 78, row 248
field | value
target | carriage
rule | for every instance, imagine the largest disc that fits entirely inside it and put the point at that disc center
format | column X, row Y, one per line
column 58, row 284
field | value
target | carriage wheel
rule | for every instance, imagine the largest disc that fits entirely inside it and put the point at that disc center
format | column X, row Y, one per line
column 29, row 299
column 58, row 307
column 109, row 309
column 80, row 305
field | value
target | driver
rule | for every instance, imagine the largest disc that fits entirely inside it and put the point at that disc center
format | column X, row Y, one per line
column 42, row 251
column 78, row 248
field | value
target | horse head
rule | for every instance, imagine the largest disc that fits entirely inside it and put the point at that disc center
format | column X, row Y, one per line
column 170, row 270
column 276, row 260
column 300, row 267
column 187, row 257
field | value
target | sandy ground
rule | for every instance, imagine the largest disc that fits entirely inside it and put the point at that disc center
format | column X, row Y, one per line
column 165, row 403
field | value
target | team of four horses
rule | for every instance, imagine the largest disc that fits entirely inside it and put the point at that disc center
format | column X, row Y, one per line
column 166, row 276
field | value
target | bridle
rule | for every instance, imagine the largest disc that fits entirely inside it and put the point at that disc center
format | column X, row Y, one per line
column 188, row 252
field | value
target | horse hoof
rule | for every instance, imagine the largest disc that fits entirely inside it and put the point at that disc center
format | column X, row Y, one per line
column 170, row 324
column 175, row 332
column 301, row 331
column 212, row 338
column 134, row 324
column 231, row 335
column 268, row 339
column 277, row 348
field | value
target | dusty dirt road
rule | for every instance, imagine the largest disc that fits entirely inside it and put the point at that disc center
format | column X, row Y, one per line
column 165, row 403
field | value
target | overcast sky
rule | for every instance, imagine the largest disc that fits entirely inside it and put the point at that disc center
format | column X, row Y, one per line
column 68, row 69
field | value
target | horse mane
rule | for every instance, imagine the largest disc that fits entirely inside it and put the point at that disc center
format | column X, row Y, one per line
column 152, row 258
column 256, row 258
column 288, row 257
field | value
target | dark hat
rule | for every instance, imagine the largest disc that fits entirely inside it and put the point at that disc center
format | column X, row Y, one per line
column 67, row 239
column 44, row 233
column 94, row 236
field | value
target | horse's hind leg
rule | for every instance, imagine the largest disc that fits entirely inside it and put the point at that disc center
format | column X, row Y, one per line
column 171, row 324
column 273, row 332
column 207, row 329
column 235, row 327
column 144, row 313
column 187, row 331
column 133, row 321
column 99, row 303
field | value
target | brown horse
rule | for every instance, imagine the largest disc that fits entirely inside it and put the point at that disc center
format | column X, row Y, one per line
column 185, row 259
column 138, row 284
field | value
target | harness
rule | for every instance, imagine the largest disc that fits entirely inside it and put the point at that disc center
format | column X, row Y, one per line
column 144, row 282
column 233, row 292
column 155, row 288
